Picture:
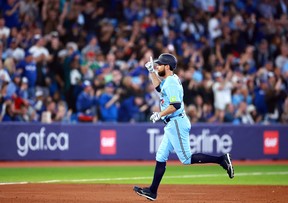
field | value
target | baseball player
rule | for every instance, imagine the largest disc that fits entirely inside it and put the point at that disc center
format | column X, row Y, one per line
column 176, row 131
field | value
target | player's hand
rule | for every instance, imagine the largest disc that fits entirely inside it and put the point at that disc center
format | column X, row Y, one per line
column 150, row 65
column 155, row 117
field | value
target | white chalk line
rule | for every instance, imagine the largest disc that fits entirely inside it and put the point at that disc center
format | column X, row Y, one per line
column 145, row 178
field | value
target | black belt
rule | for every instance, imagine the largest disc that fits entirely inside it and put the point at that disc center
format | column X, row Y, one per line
column 166, row 120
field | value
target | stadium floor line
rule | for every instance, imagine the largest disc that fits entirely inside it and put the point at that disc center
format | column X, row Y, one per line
column 144, row 178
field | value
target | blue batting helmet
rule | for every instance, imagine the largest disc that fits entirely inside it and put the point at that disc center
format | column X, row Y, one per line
column 167, row 59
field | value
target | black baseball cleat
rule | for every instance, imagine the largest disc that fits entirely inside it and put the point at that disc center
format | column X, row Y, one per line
column 227, row 165
column 145, row 192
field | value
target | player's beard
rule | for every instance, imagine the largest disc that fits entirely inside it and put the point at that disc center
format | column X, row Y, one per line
column 161, row 73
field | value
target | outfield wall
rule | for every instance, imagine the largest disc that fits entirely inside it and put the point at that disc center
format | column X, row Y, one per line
column 19, row 141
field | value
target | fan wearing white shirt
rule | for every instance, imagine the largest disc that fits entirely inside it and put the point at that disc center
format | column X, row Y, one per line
column 4, row 31
column 39, row 52
column 222, row 90
column 4, row 75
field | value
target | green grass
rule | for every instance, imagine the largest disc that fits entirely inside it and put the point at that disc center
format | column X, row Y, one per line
column 196, row 174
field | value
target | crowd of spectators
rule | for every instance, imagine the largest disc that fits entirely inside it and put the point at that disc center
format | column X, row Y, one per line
column 83, row 60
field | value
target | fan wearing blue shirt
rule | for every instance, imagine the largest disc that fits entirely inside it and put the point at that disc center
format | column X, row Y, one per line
column 28, row 69
column 107, row 103
column 86, row 101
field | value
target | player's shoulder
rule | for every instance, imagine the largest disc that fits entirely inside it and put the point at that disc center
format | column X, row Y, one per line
column 173, row 80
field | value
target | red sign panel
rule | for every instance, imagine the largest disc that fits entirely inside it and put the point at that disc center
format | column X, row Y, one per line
column 108, row 142
column 271, row 142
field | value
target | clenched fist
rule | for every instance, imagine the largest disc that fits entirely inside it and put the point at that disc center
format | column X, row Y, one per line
column 155, row 117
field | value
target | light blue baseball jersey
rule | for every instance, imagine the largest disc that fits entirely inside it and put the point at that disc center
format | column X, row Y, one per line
column 171, row 92
column 176, row 131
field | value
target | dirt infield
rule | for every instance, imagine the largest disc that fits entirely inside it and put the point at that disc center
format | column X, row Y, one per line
column 110, row 193
column 82, row 193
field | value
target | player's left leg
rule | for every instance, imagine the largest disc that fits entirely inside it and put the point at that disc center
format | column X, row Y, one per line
column 178, row 134
column 224, row 161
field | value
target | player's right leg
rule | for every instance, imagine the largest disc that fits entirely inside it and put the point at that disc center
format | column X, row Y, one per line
column 161, row 157
column 145, row 192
